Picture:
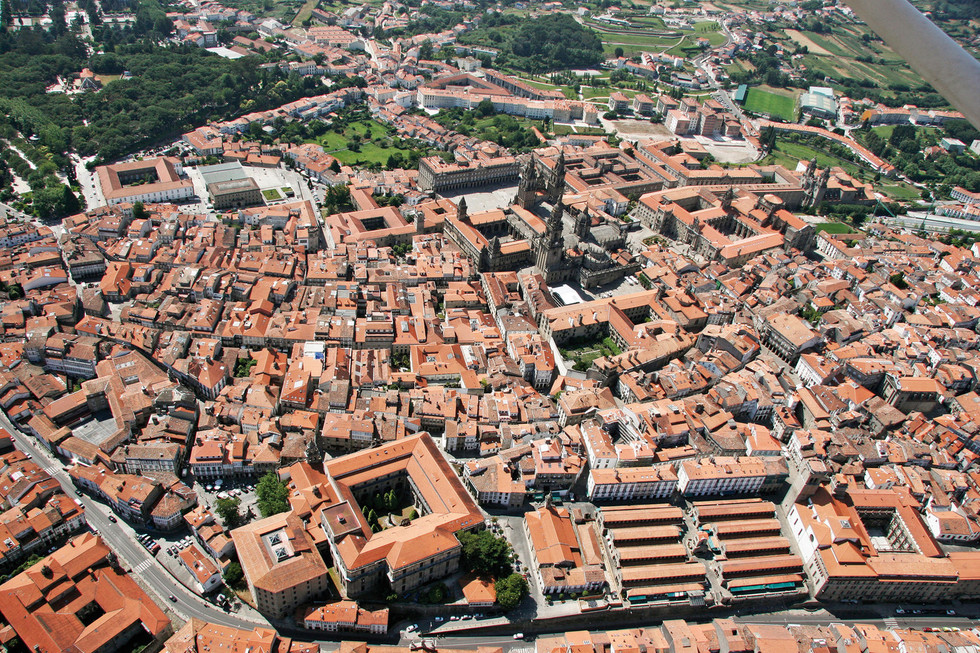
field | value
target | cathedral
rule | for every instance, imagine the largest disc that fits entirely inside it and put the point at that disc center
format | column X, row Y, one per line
column 592, row 253
column 559, row 237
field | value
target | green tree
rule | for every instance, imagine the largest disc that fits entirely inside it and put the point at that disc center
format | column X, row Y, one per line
column 227, row 509
column 485, row 554
column 234, row 575
column 273, row 495
column 485, row 108
column 425, row 50
column 139, row 211
column 510, row 590
column 618, row 52
column 898, row 280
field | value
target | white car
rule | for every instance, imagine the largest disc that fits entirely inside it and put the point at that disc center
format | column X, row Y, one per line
column 412, row 628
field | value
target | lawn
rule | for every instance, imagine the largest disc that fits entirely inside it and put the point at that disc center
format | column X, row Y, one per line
column 773, row 104
column 834, row 228
column 375, row 144
column 902, row 192
column 650, row 40
column 271, row 194
column 563, row 130
column 788, row 154
column 650, row 22
column 583, row 352
column 305, row 12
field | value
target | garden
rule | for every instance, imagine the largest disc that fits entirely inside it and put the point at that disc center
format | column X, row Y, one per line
column 583, row 351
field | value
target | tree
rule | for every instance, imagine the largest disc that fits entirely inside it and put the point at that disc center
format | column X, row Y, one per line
column 273, row 495
column 485, row 554
column 233, row 575
column 898, row 280
column 618, row 52
column 425, row 50
column 510, row 590
column 139, row 211
column 485, row 108
column 335, row 166
column 227, row 509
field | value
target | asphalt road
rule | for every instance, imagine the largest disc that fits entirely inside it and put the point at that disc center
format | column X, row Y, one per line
column 120, row 538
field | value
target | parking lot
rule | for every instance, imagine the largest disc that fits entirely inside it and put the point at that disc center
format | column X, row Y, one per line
column 208, row 493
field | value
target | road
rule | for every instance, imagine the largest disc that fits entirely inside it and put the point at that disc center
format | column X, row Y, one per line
column 919, row 220
column 120, row 537
column 854, row 615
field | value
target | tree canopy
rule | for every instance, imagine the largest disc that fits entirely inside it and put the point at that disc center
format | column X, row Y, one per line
column 555, row 42
column 227, row 509
column 273, row 495
column 485, row 554
column 510, row 590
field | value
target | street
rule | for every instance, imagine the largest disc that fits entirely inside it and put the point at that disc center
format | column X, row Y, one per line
column 120, row 537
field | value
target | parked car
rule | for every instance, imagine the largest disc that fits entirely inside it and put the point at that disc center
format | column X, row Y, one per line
column 518, row 635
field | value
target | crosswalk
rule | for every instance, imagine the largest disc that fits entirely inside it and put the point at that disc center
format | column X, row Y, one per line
column 143, row 566
column 524, row 649
column 891, row 623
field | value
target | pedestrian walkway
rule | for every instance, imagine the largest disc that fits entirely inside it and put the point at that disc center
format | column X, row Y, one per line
column 891, row 623
column 143, row 566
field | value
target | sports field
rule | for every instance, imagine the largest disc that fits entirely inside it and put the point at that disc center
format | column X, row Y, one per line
column 773, row 104
column 834, row 228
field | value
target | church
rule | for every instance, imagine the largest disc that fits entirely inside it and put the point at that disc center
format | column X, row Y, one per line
column 560, row 237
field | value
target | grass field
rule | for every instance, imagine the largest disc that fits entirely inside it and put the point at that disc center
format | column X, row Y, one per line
column 305, row 12
column 841, row 50
column 375, row 146
column 788, row 154
column 773, row 104
column 901, row 192
column 562, row 130
column 834, row 228
column 271, row 194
